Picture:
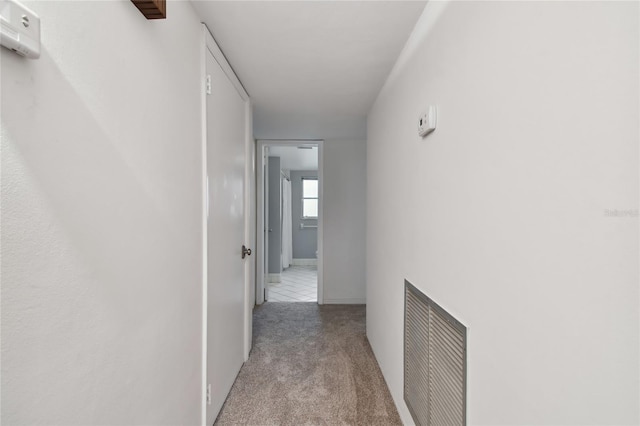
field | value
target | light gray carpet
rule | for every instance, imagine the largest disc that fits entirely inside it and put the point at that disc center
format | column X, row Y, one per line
column 310, row 365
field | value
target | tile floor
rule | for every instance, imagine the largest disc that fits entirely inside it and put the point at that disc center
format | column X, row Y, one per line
column 299, row 284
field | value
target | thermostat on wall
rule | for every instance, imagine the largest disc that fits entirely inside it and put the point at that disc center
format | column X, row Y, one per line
column 427, row 121
column 19, row 29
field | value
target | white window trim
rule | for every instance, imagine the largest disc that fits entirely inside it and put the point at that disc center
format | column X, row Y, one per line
column 309, row 198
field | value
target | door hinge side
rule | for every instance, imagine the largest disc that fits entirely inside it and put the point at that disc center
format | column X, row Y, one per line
column 207, row 84
column 209, row 394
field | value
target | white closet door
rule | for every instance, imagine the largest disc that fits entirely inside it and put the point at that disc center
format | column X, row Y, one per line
column 225, row 223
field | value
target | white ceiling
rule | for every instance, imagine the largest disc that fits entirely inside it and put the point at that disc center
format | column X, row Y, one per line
column 310, row 62
column 292, row 158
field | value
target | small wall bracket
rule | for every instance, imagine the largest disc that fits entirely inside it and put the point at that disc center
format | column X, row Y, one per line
column 19, row 29
column 427, row 121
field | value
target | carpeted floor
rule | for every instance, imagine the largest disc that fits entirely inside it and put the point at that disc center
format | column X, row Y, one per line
column 310, row 365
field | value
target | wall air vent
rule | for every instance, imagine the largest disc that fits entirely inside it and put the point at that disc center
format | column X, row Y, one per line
column 435, row 362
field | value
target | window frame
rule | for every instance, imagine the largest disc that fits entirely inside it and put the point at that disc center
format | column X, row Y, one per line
column 317, row 197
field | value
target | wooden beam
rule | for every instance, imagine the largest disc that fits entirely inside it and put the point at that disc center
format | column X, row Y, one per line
column 152, row 9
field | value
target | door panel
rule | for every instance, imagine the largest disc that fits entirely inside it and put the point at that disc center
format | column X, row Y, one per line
column 225, row 236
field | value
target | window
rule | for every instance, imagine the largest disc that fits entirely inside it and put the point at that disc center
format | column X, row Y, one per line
column 310, row 198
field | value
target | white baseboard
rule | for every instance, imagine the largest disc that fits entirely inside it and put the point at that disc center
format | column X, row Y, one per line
column 275, row 278
column 304, row 262
column 345, row 301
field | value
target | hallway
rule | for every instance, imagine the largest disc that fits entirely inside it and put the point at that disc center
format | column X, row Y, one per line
column 310, row 364
column 485, row 152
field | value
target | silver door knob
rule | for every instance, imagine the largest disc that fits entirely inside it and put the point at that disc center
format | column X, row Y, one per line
column 245, row 251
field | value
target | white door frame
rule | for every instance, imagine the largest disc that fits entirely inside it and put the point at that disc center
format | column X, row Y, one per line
column 261, row 246
column 209, row 45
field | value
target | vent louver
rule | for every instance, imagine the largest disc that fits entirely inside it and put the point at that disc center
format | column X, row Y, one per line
column 435, row 364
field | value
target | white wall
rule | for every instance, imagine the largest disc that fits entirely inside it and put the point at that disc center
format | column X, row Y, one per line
column 344, row 221
column 278, row 125
column 500, row 215
column 101, row 219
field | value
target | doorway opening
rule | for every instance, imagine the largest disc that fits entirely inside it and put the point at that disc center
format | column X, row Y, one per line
column 289, row 221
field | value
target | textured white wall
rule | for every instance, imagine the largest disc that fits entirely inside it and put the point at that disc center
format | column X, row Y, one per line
column 101, row 219
column 501, row 215
column 344, row 221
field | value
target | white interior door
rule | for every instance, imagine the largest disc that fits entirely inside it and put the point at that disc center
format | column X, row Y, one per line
column 225, row 236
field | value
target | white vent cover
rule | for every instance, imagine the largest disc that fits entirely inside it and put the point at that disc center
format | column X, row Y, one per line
column 435, row 362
